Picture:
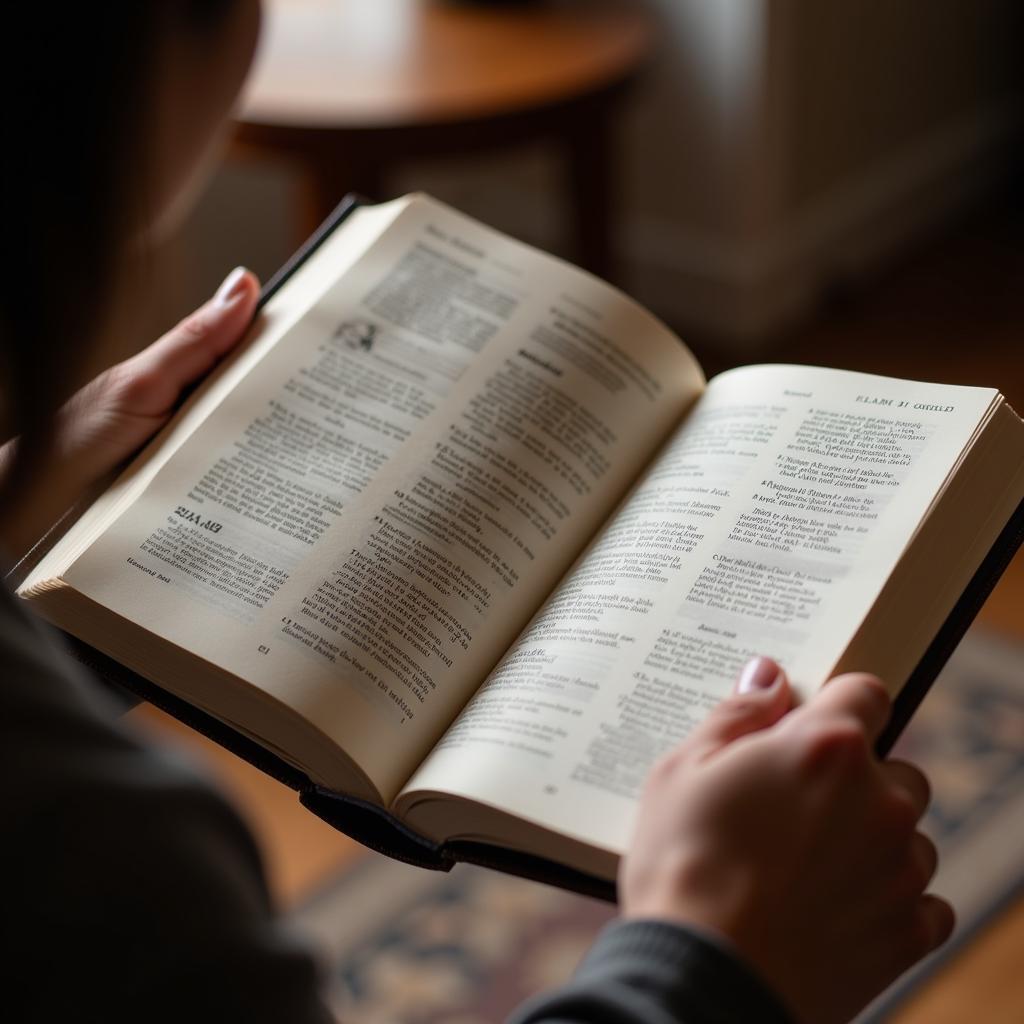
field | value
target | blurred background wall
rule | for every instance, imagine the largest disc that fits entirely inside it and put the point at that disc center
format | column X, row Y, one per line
column 776, row 149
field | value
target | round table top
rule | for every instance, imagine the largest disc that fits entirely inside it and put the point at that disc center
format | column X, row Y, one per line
column 393, row 63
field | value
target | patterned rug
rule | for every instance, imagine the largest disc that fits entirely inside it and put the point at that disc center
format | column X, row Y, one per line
column 402, row 944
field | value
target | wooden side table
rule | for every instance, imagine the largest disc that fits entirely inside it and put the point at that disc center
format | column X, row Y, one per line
column 347, row 89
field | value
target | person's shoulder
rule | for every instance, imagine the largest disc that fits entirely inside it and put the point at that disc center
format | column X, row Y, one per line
column 41, row 683
column 61, row 739
column 119, row 846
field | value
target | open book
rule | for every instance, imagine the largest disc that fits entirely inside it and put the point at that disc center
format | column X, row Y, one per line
column 463, row 540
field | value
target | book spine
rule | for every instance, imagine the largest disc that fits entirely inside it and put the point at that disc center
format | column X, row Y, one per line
column 952, row 631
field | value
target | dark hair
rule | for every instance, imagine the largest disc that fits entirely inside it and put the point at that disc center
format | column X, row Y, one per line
column 76, row 151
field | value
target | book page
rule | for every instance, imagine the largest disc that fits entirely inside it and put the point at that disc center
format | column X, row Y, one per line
column 768, row 525
column 368, row 520
column 334, row 256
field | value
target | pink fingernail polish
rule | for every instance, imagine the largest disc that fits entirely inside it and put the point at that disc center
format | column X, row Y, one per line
column 758, row 674
column 232, row 286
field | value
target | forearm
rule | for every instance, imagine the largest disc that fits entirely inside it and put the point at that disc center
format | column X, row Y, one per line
column 652, row 972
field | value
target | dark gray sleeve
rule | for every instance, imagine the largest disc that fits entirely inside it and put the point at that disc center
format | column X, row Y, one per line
column 132, row 889
column 653, row 972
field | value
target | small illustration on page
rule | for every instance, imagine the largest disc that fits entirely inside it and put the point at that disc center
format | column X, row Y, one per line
column 358, row 335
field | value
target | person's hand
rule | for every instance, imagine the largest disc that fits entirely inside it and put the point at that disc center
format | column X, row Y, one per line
column 779, row 831
column 114, row 415
column 118, row 412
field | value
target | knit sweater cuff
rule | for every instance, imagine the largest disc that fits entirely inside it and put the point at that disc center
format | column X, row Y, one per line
column 693, row 973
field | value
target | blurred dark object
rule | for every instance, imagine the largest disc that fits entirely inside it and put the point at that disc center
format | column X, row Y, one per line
column 347, row 91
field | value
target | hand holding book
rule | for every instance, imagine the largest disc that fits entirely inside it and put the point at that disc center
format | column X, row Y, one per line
column 779, row 831
column 109, row 419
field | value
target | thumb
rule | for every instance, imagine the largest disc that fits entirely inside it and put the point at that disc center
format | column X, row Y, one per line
column 762, row 696
column 192, row 348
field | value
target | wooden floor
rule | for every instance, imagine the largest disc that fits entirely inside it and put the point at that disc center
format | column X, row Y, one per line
column 953, row 313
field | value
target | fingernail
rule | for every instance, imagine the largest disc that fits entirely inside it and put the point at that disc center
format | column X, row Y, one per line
column 758, row 674
column 232, row 286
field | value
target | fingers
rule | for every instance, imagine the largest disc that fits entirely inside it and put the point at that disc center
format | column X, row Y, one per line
column 758, row 674
column 188, row 351
column 925, row 857
column 911, row 781
column 913, row 933
column 937, row 920
column 856, row 695
column 762, row 698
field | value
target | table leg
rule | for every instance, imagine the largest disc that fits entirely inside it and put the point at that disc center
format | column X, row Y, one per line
column 591, row 180
column 324, row 182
